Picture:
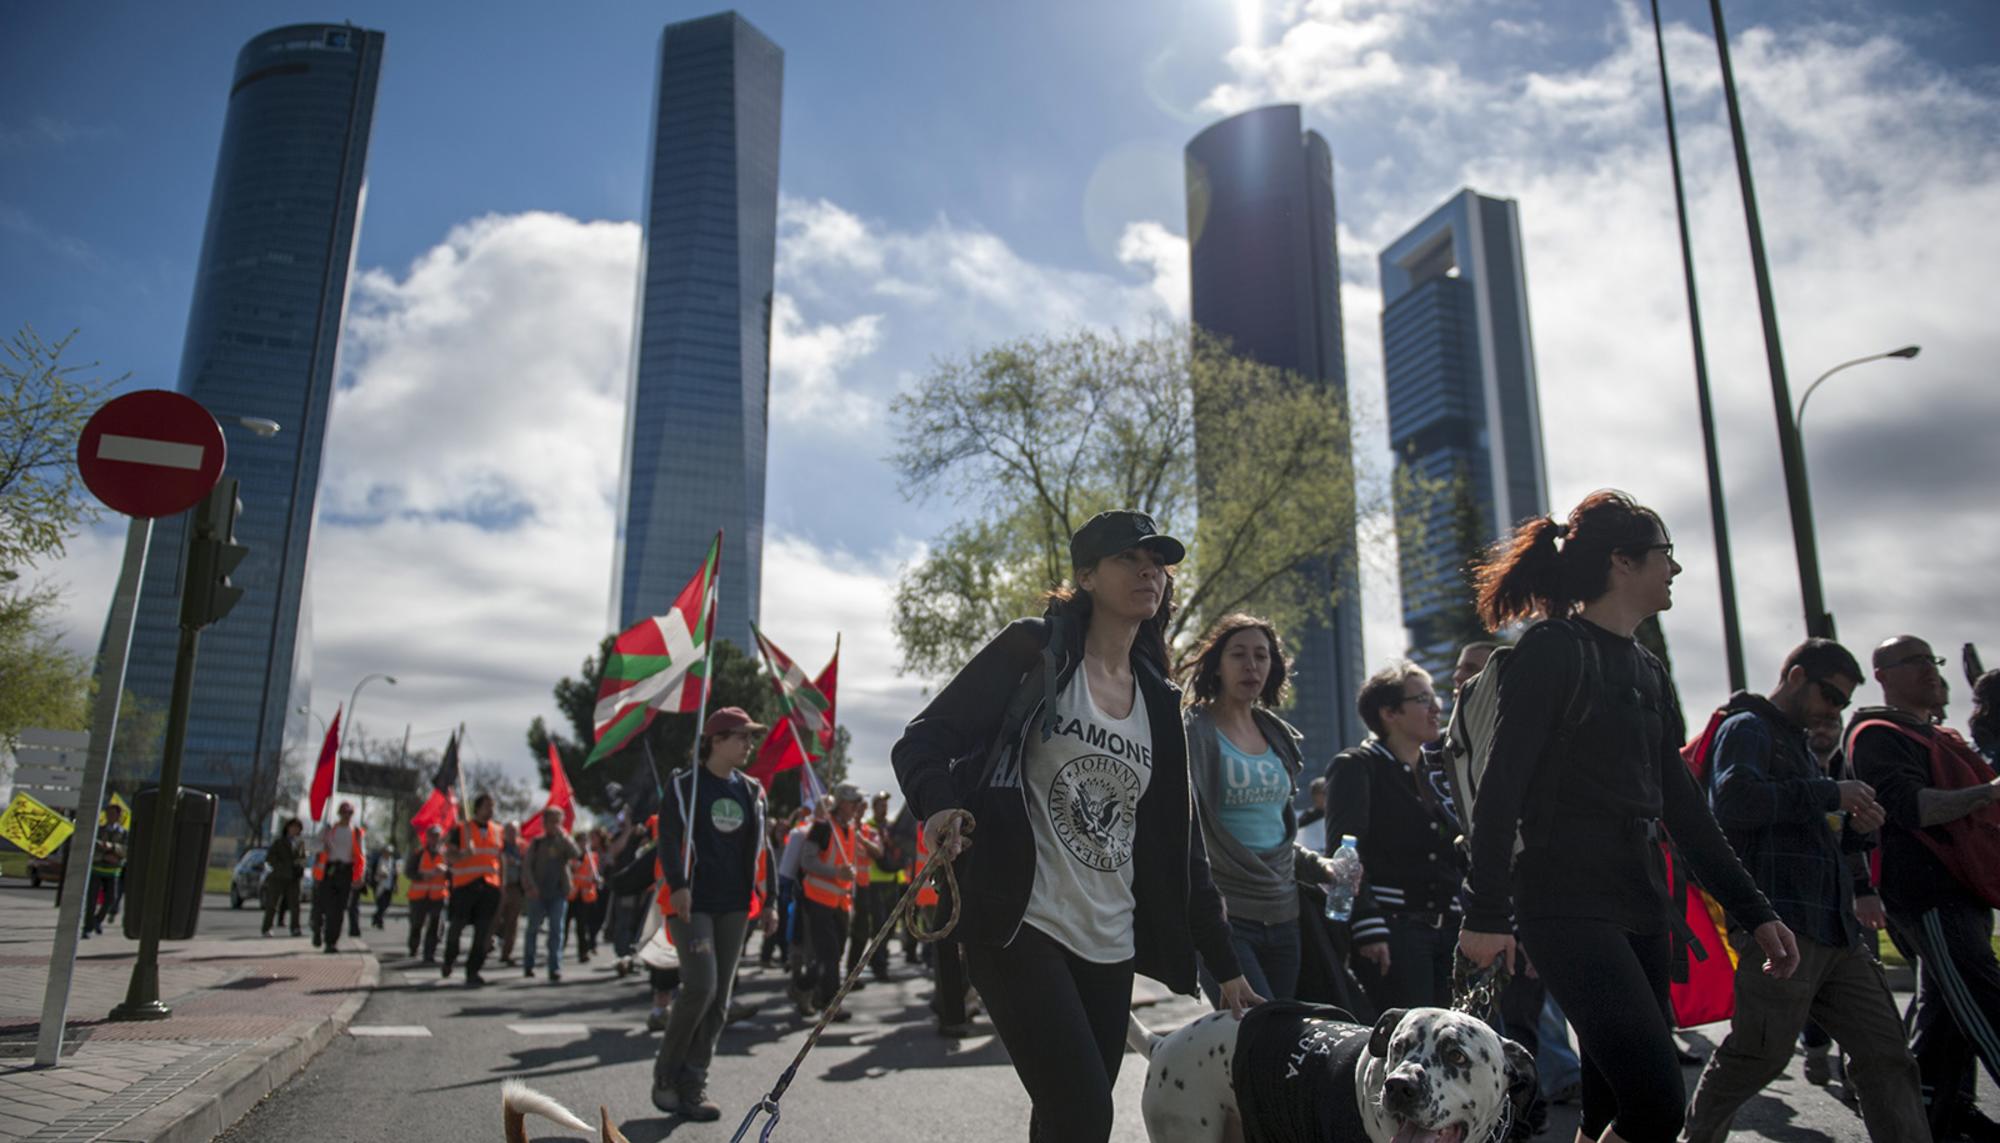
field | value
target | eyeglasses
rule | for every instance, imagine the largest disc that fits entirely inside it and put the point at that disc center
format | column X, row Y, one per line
column 1918, row 661
column 1428, row 698
column 1649, row 549
column 1832, row 695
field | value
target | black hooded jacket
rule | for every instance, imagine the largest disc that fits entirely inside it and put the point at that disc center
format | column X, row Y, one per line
column 966, row 750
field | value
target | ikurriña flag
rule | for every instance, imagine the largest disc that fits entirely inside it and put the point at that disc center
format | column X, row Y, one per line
column 782, row 749
column 658, row 664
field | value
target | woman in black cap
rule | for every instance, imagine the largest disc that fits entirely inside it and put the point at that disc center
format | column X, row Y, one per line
column 1061, row 741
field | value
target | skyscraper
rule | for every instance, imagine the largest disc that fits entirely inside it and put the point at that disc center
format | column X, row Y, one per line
column 1459, row 366
column 1266, row 276
column 262, row 341
column 696, row 414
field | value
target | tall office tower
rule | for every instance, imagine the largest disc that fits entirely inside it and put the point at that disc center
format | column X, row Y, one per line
column 697, row 411
column 262, row 341
column 1266, row 276
column 1459, row 366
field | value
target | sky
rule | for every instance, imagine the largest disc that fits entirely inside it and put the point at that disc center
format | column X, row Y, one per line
column 954, row 175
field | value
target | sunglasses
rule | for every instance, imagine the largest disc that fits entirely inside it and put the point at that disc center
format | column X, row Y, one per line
column 1832, row 695
column 1918, row 661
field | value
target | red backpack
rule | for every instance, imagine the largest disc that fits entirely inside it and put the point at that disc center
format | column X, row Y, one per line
column 1703, row 987
column 1970, row 846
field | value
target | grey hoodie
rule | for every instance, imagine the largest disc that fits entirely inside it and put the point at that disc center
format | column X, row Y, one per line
column 1255, row 885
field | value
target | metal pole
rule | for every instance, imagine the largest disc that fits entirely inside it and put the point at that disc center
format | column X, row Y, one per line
column 1732, row 630
column 1797, row 492
column 96, row 771
column 142, row 998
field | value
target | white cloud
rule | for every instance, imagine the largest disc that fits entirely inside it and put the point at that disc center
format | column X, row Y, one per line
column 1163, row 255
column 806, row 363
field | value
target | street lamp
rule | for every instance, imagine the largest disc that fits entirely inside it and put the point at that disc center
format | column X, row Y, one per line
column 352, row 699
column 1906, row 353
column 1799, row 432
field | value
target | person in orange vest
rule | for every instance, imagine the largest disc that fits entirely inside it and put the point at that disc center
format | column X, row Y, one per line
column 875, row 889
column 586, row 885
column 430, row 886
column 474, row 852
column 337, row 868
column 713, row 857
column 834, row 854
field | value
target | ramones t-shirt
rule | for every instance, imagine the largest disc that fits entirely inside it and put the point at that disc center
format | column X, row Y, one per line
column 1083, row 784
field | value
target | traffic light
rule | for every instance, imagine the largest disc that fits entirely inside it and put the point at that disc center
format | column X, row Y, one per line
column 207, row 595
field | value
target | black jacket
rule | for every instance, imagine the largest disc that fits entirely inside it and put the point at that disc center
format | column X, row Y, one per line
column 1408, row 845
column 966, row 750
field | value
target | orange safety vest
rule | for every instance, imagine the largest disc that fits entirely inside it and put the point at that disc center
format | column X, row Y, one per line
column 432, row 882
column 839, row 851
column 479, row 858
column 355, row 863
column 928, row 894
column 583, row 883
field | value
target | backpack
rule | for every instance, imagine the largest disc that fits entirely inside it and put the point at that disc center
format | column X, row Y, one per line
column 1969, row 847
column 1475, row 714
column 1702, row 988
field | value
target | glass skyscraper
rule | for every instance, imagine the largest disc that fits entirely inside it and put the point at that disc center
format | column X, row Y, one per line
column 1266, row 276
column 262, row 341
column 697, row 412
column 1459, row 365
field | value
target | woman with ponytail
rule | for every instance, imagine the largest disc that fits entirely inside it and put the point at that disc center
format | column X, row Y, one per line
column 1586, row 770
column 1061, row 743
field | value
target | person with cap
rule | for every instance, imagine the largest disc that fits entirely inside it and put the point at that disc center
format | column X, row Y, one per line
column 835, row 852
column 713, row 856
column 1087, row 865
column 473, row 851
column 340, row 867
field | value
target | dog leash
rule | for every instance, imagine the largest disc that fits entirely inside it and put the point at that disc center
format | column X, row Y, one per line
column 925, row 878
column 1476, row 991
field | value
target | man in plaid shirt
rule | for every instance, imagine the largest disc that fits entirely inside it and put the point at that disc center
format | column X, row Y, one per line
column 1792, row 826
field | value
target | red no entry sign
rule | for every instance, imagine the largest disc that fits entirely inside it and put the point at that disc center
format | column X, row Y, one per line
column 151, row 453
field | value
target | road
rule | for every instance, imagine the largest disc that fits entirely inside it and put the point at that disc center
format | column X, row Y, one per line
column 884, row 1076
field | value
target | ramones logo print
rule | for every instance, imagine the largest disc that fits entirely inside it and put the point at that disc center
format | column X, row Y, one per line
column 1091, row 806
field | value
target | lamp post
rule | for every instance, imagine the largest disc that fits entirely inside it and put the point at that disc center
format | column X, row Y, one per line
column 341, row 746
column 1799, row 430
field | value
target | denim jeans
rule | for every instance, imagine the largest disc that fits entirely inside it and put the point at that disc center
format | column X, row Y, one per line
column 552, row 911
column 1269, row 956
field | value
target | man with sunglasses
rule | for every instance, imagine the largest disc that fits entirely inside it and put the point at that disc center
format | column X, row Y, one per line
column 1792, row 826
column 1930, row 904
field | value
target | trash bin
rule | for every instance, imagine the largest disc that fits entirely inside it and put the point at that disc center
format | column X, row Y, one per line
column 187, row 867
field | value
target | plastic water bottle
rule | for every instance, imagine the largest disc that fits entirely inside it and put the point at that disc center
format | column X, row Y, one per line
column 1346, row 880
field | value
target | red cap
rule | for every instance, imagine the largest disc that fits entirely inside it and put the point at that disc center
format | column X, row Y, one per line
column 728, row 719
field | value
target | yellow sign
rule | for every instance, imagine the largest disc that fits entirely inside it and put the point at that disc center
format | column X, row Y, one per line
column 33, row 826
column 104, row 818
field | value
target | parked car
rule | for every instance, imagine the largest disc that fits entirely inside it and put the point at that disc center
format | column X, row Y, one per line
column 246, row 881
column 49, row 869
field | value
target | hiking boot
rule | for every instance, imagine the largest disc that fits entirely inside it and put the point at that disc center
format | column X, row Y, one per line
column 1819, row 1069
column 739, row 1011
column 474, row 980
column 694, row 1102
column 529, row 972
column 957, row 1031
column 666, row 1099
column 555, row 975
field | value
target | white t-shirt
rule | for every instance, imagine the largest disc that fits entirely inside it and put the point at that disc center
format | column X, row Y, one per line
column 338, row 842
column 1084, row 784
column 795, row 852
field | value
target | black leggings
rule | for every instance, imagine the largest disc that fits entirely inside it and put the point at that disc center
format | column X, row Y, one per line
column 1599, row 972
column 1063, row 1020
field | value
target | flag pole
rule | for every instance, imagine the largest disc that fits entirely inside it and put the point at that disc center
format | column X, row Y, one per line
column 701, row 716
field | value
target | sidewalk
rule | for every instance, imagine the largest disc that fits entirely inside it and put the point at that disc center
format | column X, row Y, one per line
column 248, row 1013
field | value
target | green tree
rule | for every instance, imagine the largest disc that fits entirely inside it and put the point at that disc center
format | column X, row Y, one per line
column 41, row 684
column 1033, row 437
column 739, row 681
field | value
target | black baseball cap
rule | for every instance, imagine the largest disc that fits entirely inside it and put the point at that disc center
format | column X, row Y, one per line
column 1108, row 533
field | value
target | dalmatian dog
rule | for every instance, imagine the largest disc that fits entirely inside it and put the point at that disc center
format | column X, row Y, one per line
column 1298, row 1072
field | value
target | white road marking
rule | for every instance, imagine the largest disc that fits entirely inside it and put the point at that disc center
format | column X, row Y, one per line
column 549, row 1028
column 140, row 450
column 410, row 1030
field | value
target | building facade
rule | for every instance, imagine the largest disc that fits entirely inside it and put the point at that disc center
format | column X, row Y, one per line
column 263, row 341
column 1266, row 277
column 697, row 411
column 1459, row 365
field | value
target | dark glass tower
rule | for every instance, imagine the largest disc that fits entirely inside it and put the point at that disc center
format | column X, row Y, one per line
column 262, row 341
column 696, row 415
column 1459, row 365
column 1266, row 276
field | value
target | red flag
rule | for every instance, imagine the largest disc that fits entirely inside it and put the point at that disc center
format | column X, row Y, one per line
column 322, row 783
column 559, row 797
column 780, row 750
column 440, row 810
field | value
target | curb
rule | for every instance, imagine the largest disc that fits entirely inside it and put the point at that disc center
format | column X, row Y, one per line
column 218, row 1100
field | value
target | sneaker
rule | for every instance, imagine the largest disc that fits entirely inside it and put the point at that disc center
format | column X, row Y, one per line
column 474, row 980
column 666, row 1099
column 555, row 975
column 656, row 1021
column 529, row 972
column 740, row 1010
column 1819, row 1070
column 297, row 933
column 842, row 1016
column 447, row 970
column 695, row 1104
column 957, row 1031
column 315, row 940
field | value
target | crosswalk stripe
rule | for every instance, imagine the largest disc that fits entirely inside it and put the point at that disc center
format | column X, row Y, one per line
column 548, row 1028
column 410, row 1030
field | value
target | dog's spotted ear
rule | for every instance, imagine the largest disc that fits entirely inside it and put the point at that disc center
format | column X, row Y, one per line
column 1378, row 1040
column 1530, row 1114
column 607, row 1131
